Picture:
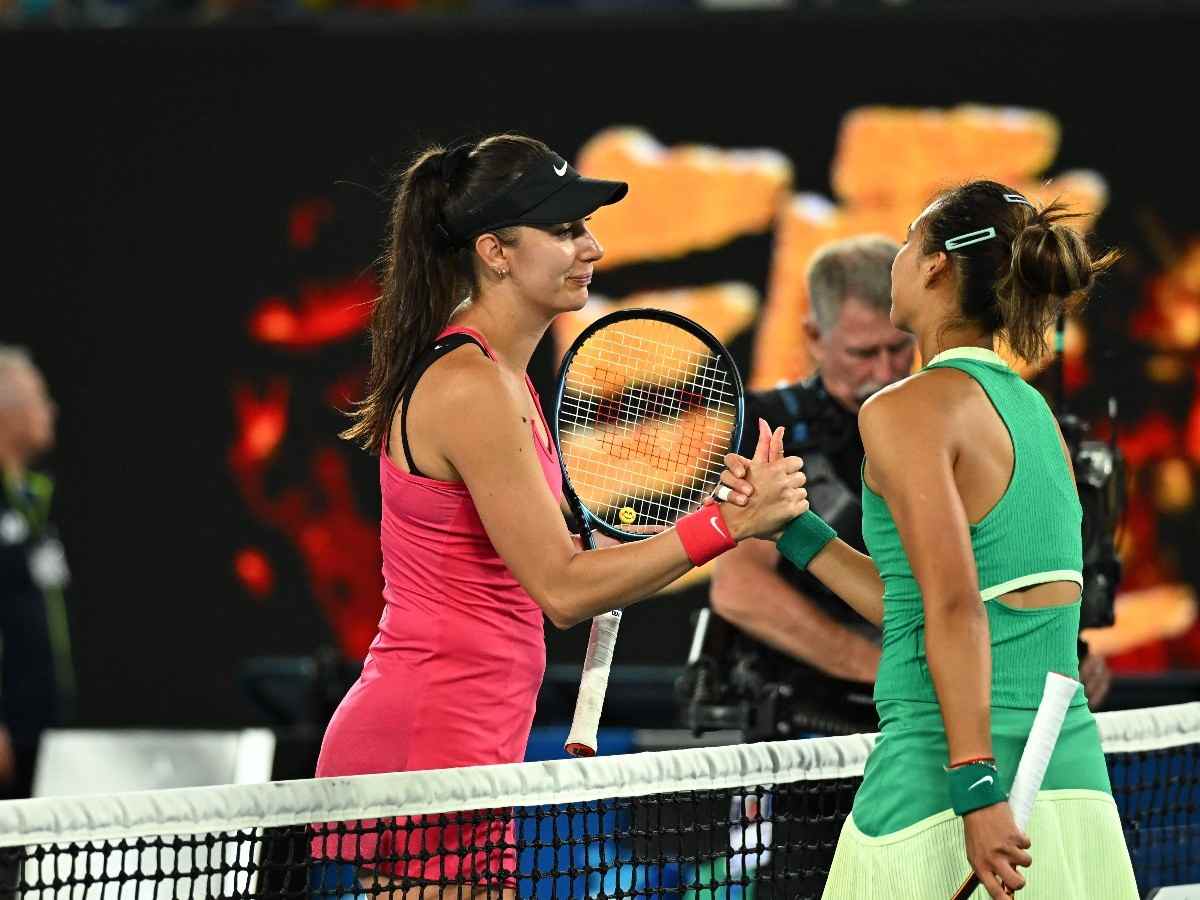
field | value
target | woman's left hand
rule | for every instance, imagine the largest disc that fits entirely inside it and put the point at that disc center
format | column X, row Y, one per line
column 735, row 484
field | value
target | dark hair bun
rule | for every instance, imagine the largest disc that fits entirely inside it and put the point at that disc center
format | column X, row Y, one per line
column 1030, row 268
column 1050, row 259
column 1052, row 269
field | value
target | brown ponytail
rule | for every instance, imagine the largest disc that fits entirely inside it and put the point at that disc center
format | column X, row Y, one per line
column 424, row 278
column 1018, row 282
column 1052, row 269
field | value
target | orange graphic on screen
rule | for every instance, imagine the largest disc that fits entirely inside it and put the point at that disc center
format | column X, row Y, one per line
column 682, row 199
column 323, row 313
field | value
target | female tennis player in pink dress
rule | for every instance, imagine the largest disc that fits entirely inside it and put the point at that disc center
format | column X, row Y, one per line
column 475, row 548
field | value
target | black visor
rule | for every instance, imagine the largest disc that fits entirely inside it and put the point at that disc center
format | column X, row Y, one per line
column 550, row 192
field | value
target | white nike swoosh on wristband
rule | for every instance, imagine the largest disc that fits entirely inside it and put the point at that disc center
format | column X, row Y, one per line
column 981, row 781
column 715, row 524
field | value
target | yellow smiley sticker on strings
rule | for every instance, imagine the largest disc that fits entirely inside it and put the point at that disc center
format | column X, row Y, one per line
column 627, row 515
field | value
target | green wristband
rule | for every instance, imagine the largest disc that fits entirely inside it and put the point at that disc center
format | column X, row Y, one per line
column 804, row 538
column 974, row 786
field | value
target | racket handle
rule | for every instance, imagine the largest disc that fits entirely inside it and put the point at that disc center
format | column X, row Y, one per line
column 1035, row 758
column 1039, row 747
column 967, row 888
column 581, row 741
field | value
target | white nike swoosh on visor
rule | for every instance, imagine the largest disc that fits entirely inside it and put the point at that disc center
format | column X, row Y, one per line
column 980, row 781
column 560, row 172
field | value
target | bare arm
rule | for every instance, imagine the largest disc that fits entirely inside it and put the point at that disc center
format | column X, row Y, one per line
column 488, row 444
column 852, row 576
column 849, row 574
column 913, row 468
column 749, row 592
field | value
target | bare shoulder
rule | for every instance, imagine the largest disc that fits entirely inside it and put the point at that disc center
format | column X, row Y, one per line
column 463, row 370
column 928, row 399
column 886, row 402
column 465, row 375
column 916, row 395
column 911, row 422
column 463, row 387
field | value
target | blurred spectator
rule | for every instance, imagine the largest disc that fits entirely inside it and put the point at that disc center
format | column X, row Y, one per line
column 36, row 679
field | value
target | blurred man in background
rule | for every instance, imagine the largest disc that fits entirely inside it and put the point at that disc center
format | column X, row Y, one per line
column 35, row 667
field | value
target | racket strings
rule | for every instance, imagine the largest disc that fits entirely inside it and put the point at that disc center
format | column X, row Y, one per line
column 648, row 413
column 599, row 401
column 705, row 371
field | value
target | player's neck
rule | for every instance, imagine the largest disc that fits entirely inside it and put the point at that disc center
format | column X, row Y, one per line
column 513, row 332
column 940, row 339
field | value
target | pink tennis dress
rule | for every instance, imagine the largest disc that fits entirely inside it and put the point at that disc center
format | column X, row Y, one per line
column 452, row 677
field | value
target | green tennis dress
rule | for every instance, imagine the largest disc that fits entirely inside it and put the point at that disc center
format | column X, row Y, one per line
column 902, row 839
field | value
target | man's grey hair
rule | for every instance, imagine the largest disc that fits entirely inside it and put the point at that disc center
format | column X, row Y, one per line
column 858, row 267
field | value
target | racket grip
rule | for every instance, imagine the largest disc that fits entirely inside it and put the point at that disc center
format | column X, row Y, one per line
column 581, row 740
column 1035, row 758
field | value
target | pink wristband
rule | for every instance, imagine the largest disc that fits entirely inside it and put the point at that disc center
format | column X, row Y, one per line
column 704, row 534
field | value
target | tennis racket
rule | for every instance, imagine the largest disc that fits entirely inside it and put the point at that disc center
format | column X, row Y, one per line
column 648, row 404
column 1035, row 758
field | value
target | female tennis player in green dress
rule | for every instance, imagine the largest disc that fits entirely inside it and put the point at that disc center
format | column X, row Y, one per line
column 968, row 496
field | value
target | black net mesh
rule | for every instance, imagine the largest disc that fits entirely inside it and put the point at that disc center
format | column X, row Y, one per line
column 707, row 843
column 1156, row 792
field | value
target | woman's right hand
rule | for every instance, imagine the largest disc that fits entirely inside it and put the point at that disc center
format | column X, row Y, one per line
column 995, row 847
column 771, row 484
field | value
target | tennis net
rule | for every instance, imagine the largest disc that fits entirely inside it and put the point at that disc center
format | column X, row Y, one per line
column 716, row 823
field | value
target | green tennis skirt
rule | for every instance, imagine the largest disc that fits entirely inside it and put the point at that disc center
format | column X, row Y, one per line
column 903, row 840
column 1078, row 854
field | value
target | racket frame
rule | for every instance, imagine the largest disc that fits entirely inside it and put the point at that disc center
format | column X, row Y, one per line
column 581, row 740
column 585, row 517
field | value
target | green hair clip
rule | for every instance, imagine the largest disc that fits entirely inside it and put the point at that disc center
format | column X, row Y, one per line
column 1017, row 198
column 971, row 237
